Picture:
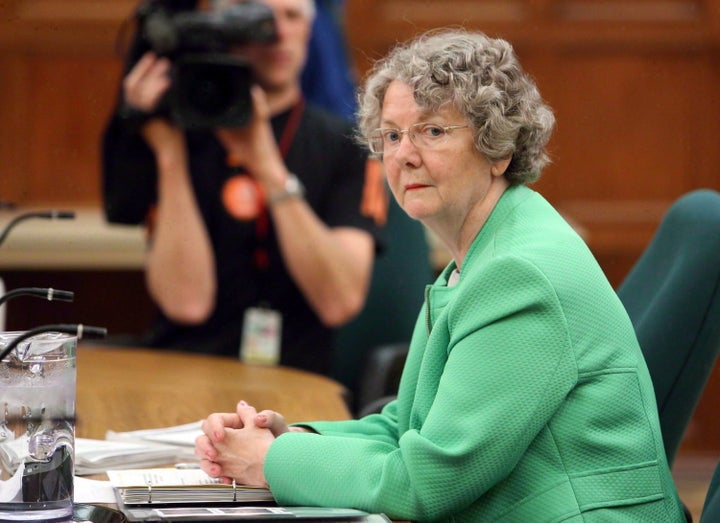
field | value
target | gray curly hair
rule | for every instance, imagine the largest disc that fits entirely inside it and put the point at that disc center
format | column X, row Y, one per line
column 483, row 79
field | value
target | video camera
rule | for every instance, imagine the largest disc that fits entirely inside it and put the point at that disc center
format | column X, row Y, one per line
column 210, row 87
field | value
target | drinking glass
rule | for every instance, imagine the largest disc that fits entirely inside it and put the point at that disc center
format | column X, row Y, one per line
column 37, row 427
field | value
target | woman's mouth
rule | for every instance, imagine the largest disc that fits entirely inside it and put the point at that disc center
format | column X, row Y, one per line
column 415, row 186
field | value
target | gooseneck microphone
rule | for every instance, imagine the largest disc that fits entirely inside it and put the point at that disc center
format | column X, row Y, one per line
column 47, row 215
column 48, row 293
column 79, row 330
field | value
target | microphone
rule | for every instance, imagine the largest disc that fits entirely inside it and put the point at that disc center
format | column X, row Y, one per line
column 79, row 330
column 48, row 293
column 47, row 215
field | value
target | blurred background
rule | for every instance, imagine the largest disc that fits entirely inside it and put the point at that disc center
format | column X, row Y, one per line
column 633, row 84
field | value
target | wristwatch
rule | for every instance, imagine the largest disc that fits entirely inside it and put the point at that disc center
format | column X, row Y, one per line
column 293, row 189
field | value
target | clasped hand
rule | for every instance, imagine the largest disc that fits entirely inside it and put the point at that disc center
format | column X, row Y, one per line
column 234, row 445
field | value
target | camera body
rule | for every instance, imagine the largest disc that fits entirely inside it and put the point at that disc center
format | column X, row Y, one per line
column 210, row 86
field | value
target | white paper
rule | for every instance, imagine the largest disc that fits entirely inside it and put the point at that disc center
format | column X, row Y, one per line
column 11, row 489
column 93, row 456
column 160, row 477
column 181, row 435
column 14, row 451
column 93, row 491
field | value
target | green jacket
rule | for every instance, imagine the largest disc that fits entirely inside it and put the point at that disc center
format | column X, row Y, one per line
column 525, row 398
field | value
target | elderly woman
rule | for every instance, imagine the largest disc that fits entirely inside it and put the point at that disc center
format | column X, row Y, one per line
column 525, row 396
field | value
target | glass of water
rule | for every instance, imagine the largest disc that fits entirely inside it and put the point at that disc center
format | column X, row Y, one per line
column 37, row 427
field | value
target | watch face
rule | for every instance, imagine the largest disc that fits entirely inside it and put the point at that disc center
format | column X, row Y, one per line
column 292, row 186
column 293, row 189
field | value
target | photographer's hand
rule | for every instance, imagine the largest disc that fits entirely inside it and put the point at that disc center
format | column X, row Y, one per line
column 331, row 265
column 254, row 146
column 147, row 82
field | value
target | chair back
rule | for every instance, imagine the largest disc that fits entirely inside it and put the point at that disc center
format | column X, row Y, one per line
column 711, row 507
column 396, row 294
column 672, row 295
column 380, row 377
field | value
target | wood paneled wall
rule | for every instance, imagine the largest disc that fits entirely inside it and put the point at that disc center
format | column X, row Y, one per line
column 59, row 73
column 633, row 84
column 634, row 87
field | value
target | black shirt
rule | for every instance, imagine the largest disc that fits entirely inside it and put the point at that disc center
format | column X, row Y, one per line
column 331, row 166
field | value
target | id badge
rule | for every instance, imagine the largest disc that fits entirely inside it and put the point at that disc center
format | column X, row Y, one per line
column 260, row 342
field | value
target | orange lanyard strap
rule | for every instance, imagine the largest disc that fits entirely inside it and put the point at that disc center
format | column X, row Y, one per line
column 262, row 222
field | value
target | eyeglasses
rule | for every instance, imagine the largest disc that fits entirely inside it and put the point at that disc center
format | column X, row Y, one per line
column 424, row 135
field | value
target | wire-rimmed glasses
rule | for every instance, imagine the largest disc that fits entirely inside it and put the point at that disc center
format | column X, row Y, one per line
column 424, row 135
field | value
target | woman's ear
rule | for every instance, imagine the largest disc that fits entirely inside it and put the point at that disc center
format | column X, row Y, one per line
column 499, row 167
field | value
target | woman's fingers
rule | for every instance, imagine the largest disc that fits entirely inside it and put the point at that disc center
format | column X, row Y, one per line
column 204, row 449
column 215, row 424
column 274, row 421
column 246, row 414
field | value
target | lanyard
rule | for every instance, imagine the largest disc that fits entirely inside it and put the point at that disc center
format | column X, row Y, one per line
column 262, row 221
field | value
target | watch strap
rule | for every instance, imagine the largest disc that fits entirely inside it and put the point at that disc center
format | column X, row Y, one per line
column 293, row 189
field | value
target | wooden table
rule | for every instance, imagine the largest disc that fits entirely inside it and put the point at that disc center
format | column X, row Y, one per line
column 121, row 389
column 125, row 389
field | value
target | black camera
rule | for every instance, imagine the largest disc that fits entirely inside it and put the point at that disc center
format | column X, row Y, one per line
column 210, row 86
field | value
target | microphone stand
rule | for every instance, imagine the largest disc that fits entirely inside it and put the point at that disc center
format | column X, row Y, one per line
column 48, row 215
column 48, row 293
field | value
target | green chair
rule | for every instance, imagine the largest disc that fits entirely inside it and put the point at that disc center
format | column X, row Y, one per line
column 400, row 274
column 672, row 295
column 711, row 507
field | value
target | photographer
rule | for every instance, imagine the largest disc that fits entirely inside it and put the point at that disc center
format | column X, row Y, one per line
column 261, row 234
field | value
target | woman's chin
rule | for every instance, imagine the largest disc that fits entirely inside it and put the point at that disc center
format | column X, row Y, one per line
column 417, row 210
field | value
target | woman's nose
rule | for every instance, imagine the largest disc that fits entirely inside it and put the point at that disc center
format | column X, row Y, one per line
column 407, row 152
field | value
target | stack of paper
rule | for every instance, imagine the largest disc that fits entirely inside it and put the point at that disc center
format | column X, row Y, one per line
column 184, row 487
column 93, row 456
column 182, row 435
column 136, row 449
column 191, row 495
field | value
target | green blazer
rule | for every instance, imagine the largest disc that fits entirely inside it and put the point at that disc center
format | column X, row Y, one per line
column 525, row 398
